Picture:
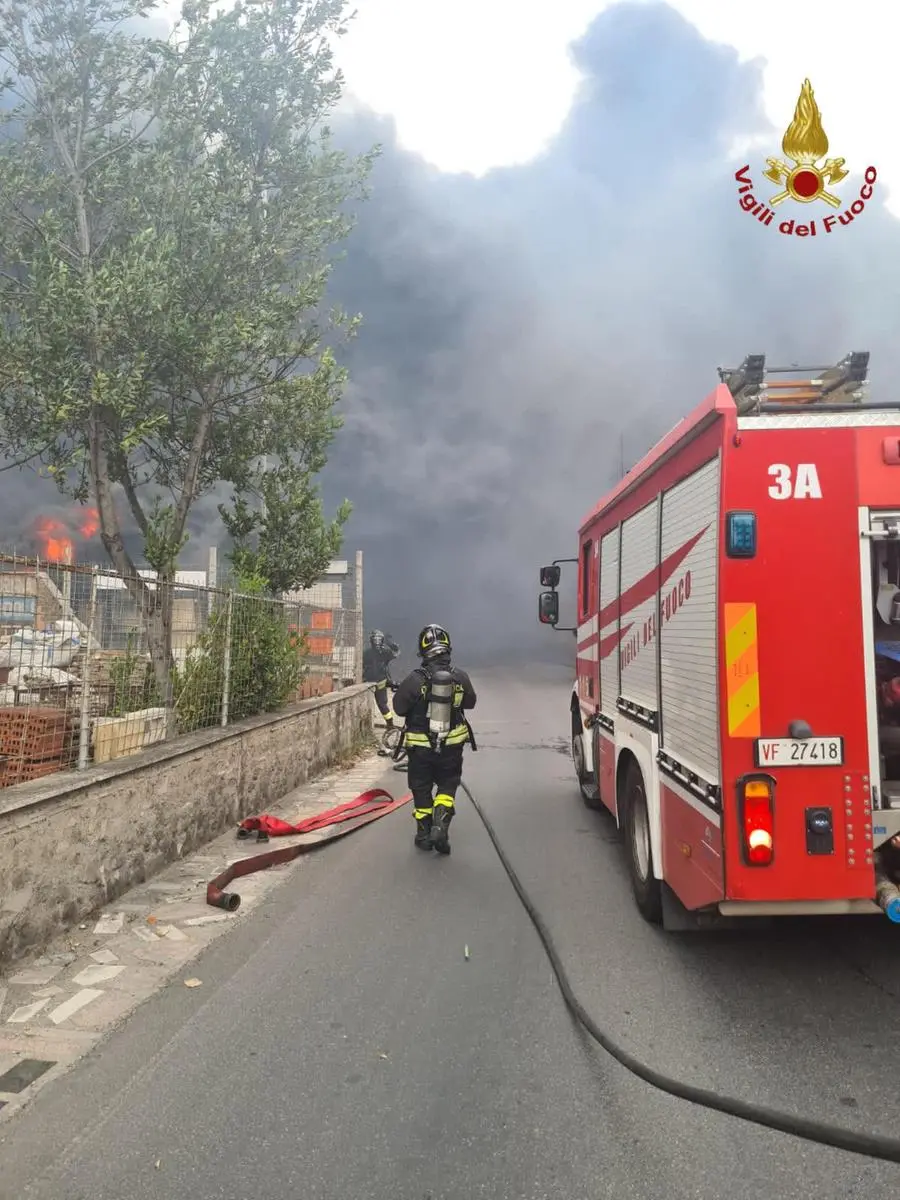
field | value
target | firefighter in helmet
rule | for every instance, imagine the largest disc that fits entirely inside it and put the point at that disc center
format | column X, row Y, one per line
column 377, row 659
column 433, row 699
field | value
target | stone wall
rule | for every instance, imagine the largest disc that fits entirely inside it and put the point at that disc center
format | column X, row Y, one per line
column 74, row 842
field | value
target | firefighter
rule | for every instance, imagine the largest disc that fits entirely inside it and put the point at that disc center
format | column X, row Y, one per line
column 433, row 698
column 377, row 659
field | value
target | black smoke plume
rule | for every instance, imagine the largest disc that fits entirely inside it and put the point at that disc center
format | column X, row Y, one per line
column 524, row 331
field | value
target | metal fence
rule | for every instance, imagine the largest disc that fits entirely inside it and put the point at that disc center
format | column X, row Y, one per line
column 331, row 611
column 85, row 676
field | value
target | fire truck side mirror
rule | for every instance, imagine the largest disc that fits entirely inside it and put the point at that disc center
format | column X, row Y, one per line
column 550, row 576
column 548, row 608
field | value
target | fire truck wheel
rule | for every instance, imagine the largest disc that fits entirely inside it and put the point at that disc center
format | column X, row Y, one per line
column 646, row 888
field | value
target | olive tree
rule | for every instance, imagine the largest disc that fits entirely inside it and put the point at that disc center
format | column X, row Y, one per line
column 169, row 209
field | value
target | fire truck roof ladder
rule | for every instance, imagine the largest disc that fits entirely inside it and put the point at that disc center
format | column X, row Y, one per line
column 755, row 390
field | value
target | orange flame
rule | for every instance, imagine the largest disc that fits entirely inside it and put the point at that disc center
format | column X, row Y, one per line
column 90, row 523
column 57, row 547
column 56, row 537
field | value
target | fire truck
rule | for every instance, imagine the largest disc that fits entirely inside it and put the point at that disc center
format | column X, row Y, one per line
column 736, row 704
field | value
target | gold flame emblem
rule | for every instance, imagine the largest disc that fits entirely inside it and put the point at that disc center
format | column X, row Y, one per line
column 805, row 144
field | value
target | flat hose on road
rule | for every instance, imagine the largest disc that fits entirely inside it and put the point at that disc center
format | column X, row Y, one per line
column 872, row 1145
column 367, row 807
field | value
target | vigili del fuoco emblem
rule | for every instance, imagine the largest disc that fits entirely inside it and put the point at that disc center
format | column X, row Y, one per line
column 808, row 175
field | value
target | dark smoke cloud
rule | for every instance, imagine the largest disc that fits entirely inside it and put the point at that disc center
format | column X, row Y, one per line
column 519, row 327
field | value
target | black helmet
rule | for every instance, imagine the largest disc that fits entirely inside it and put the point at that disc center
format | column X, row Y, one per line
column 376, row 638
column 434, row 640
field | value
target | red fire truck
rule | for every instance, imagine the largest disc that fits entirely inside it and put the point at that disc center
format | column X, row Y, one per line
column 737, row 695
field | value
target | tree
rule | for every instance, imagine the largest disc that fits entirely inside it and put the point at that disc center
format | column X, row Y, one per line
column 287, row 542
column 168, row 214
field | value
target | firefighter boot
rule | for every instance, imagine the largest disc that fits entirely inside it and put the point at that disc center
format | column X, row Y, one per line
column 443, row 815
column 423, row 828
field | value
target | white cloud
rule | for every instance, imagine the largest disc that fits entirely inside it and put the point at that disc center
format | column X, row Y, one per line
column 473, row 84
column 480, row 83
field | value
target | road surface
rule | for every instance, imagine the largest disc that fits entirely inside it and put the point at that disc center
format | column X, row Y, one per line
column 343, row 1046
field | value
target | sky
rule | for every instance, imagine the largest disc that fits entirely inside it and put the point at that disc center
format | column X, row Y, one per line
column 475, row 84
column 552, row 264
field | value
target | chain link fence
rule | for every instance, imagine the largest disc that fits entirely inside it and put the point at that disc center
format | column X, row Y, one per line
column 88, row 673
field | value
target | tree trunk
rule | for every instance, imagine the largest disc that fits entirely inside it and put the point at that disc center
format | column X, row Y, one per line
column 158, row 625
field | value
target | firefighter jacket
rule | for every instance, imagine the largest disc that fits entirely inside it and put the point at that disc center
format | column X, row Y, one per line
column 377, row 662
column 411, row 701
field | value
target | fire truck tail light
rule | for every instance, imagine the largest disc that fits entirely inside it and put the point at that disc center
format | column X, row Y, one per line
column 757, row 818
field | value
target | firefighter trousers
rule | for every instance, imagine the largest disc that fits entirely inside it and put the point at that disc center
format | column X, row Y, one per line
column 381, row 699
column 433, row 777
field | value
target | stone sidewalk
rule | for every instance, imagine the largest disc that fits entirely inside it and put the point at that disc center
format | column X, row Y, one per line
column 60, row 1004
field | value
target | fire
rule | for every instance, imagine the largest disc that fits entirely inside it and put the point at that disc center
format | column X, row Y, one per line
column 57, row 538
column 90, row 523
column 56, row 545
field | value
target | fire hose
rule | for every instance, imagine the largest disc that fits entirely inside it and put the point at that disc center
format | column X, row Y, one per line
column 363, row 810
column 871, row 1145
column 376, row 803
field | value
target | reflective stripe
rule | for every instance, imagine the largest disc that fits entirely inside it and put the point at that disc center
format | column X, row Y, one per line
column 455, row 737
column 442, row 801
column 421, row 813
column 742, row 670
column 417, row 739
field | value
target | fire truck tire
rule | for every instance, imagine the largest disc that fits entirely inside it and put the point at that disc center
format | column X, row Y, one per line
column 645, row 886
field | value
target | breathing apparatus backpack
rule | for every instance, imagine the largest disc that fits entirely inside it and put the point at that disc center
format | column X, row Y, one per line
column 440, row 696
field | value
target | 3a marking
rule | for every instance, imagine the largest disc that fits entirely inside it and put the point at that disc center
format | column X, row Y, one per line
column 800, row 484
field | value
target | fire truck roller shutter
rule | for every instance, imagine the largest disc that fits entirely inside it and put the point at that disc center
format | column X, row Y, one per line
column 609, row 622
column 639, row 607
column 689, row 621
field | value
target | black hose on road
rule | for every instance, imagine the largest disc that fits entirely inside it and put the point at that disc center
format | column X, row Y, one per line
column 873, row 1145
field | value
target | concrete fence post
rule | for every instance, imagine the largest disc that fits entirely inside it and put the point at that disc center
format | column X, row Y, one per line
column 358, row 673
column 226, row 676
column 84, row 732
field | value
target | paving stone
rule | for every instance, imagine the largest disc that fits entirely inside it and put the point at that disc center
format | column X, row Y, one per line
column 35, row 976
column 61, row 958
column 23, row 1074
column 172, row 932
column 97, row 974
column 26, row 1012
column 73, row 1005
column 145, row 933
column 110, row 923
column 104, row 956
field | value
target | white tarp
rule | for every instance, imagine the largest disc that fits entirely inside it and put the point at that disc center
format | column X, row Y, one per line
column 33, row 650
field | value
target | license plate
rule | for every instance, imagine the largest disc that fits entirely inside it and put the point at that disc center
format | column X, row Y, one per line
column 800, row 752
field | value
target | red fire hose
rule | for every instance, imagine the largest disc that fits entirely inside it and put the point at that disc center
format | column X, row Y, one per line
column 363, row 810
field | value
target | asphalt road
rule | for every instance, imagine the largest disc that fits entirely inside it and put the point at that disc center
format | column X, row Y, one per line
column 342, row 1046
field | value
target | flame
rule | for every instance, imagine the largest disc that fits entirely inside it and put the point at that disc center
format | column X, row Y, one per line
column 57, row 537
column 57, row 546
column 90, row 523
column 805, row 140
